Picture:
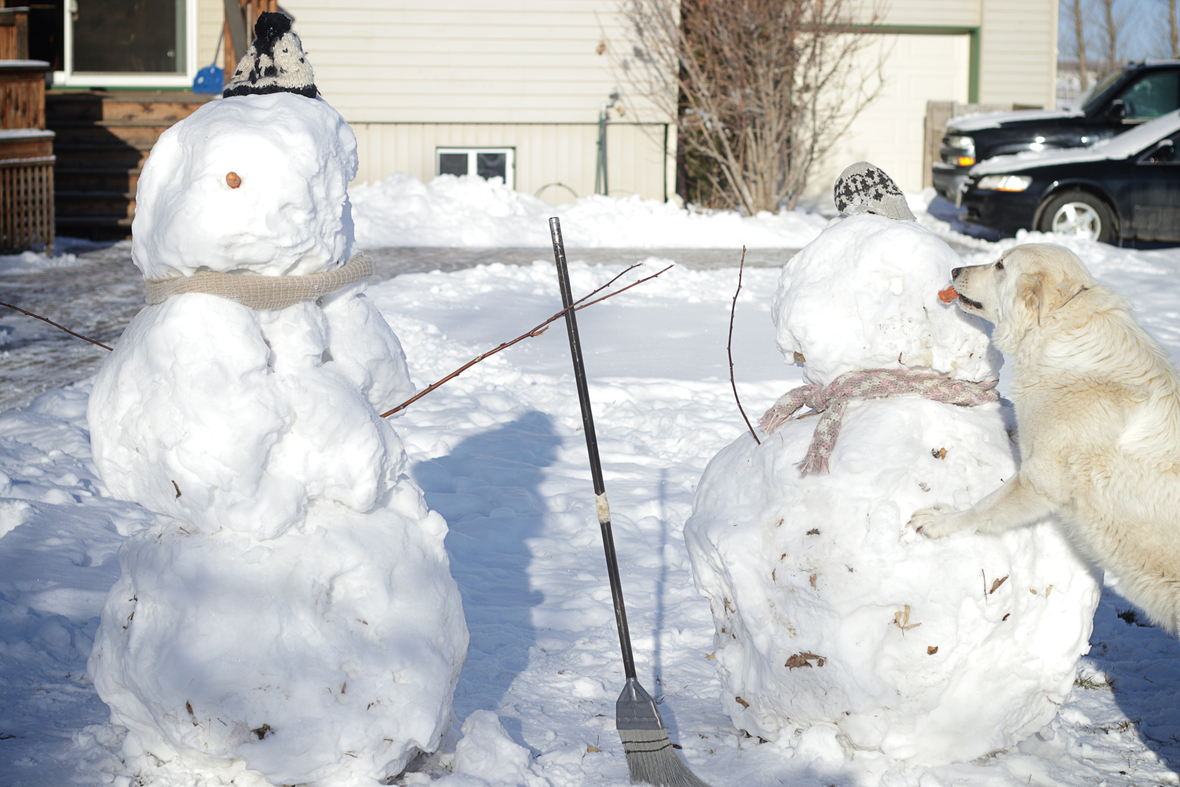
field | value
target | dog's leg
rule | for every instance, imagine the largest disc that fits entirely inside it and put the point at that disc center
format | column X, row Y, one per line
column 1014, row 504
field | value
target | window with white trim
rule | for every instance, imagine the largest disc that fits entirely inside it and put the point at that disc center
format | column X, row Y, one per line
column 488, row 163
column 124, row 43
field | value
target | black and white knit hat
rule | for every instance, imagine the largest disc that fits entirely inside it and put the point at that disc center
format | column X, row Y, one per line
column 274, row 63
column 865, row 188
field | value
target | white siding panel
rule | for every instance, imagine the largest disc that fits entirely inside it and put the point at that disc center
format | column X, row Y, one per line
column 210, row 20
column 529, row 61
column 1018, row 52
column 934, row 13
column 553, row 161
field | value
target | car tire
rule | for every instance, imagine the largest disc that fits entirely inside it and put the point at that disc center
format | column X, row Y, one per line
column 1079, row 214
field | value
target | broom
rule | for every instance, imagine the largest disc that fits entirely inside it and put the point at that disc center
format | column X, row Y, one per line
column 650, row 757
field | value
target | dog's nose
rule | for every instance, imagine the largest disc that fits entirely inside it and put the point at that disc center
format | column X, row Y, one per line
column 955, row 272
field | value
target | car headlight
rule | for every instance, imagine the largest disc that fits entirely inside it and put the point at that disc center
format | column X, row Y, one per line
column 1004, row 182
column 958, row 150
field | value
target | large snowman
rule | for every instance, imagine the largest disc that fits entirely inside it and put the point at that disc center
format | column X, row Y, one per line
column 291, row 614
column 838, row 630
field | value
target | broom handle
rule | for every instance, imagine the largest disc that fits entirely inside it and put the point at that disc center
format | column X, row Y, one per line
column 608, row 540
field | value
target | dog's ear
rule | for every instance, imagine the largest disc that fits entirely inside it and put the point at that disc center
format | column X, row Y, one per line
column 1030, row 296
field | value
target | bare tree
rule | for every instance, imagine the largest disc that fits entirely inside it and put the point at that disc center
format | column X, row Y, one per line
column 1168, row 39
column 761, row 89
column 1112, row 23
column 1078, row 16
column 1173, row 30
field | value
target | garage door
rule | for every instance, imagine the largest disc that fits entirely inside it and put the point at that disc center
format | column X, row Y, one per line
column 889, row 132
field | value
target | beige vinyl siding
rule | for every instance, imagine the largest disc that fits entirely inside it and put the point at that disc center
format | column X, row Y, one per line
column 459, row 61
column 1018, row 53
column 546, row 154
column 210, row 20
column 413, row 75
column 938, row 13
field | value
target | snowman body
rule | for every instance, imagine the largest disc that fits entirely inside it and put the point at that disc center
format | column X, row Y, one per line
column 292, row 611
column 830, row 615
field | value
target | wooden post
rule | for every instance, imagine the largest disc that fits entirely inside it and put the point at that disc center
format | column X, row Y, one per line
column 240, row 16
column 14, row 33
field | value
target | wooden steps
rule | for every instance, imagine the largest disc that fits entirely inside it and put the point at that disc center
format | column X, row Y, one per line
column 103, row 138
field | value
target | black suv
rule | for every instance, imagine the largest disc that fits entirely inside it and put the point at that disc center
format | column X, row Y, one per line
column 1120, row 101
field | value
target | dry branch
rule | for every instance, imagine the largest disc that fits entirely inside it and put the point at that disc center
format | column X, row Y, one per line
column 577, row 305
column 729, row 349
column 55, row 325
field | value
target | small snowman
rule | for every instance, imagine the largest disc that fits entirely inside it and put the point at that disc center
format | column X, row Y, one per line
column 291, row 614
column 840, row 632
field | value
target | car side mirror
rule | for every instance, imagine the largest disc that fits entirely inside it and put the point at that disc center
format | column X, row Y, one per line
column 1116, row 112
column 1163, row 152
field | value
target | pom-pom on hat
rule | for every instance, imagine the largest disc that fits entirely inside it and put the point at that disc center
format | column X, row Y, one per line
column 274, row 63
column 865, row 188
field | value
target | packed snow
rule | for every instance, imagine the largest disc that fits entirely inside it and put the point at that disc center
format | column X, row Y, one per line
column 499, row 455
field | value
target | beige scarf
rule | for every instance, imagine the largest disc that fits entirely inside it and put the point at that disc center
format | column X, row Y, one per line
column 263, row 292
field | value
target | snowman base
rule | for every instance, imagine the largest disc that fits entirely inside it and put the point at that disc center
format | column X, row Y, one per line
column 830, row 612
column 325, row 657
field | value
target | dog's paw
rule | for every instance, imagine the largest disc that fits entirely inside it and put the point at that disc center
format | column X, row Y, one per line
column 937, row 522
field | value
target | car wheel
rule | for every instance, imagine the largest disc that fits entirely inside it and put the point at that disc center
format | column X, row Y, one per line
column 1080, row 215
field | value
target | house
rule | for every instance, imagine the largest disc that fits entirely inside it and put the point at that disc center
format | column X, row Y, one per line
column 516, row 89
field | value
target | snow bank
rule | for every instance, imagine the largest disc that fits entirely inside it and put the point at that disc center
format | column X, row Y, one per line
column 471, row 211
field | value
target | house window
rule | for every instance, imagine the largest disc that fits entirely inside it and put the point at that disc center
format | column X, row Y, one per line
column 486, row 162
column 127, row 43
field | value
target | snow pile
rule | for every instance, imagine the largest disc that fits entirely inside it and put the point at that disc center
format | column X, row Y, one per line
column 291, row 611
column 830, row 613
column 471, row 211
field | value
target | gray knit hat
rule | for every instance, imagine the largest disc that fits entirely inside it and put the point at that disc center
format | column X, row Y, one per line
column 865, row 188
column 274, row 63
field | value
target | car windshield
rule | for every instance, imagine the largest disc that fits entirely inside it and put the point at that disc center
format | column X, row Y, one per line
column 1101, row 91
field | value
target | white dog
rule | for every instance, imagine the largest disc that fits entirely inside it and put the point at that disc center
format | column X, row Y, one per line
column 1098, row 417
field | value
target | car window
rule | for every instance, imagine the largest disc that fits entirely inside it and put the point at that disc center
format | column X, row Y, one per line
column 1100, row 92
column 1152, row 96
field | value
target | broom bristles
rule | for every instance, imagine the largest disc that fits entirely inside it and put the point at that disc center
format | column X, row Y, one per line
column 650, row 755
column 651, row 759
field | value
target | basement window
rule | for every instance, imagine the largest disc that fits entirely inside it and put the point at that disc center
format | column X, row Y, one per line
column 488, row 163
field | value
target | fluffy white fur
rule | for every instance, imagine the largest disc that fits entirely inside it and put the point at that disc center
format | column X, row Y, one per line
column 1098, row 415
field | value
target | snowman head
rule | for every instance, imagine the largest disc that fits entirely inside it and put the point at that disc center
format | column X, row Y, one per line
column 255, row 182
column 864, row 295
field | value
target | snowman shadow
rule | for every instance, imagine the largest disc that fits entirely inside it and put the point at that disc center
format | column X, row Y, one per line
column 487, row 490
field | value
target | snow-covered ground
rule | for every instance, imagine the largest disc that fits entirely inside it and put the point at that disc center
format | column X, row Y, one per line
column 500, row 454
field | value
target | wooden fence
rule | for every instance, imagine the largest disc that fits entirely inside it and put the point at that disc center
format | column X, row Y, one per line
column 26, row 191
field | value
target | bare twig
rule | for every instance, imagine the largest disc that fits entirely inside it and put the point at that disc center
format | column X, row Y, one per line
column 55, row 325
column 729, row 348
column 578, row 305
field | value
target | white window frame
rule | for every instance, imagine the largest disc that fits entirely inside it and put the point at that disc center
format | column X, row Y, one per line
column 472, row 152
column 68, row 78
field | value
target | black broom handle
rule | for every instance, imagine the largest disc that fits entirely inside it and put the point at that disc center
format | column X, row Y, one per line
column 608, row 541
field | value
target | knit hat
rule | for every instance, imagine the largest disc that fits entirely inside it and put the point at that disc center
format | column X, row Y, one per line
column 865, row 188
column 274, row 63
